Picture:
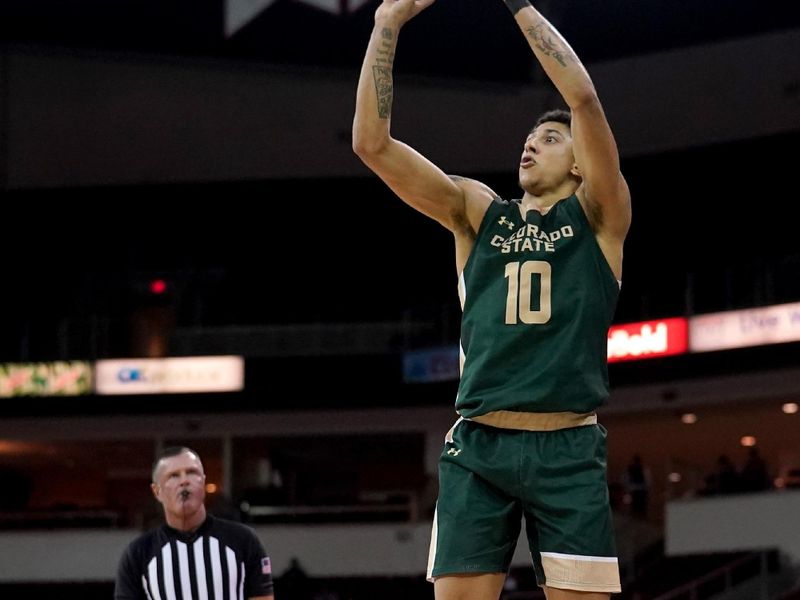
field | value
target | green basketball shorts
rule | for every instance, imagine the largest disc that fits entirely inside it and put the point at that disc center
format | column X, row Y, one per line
column 490, row 478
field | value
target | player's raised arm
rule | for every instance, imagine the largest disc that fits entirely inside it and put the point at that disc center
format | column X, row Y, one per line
column 414, row 178
column 604, row 191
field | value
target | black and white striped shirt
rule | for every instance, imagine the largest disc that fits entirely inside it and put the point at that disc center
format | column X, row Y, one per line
column 221, row 560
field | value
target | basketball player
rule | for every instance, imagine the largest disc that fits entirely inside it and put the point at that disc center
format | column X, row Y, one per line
column 538, row 279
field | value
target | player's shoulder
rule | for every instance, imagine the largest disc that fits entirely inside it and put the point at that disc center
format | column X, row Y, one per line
column 478, row 197
column 473, row 185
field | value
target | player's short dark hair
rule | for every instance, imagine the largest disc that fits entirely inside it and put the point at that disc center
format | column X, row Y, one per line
column 558, row 115
column 169, row 452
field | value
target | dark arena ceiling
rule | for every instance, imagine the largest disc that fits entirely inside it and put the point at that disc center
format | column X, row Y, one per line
column 464, row 38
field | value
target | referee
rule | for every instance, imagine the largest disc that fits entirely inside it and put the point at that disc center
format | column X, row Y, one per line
column 194, row 556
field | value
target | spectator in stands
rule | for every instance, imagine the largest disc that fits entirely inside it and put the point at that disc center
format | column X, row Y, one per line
column 724, row 479
column 193, row 554
column 637, row 486
column 754, row 475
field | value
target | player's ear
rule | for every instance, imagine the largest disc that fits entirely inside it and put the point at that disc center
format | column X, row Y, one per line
column 154, row 488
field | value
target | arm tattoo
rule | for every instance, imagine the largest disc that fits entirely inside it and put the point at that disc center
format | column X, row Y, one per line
column 544, row 40
column 382, row 74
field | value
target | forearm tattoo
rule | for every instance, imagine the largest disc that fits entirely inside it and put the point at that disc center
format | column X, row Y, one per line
column 382, row 73
column 545, row 39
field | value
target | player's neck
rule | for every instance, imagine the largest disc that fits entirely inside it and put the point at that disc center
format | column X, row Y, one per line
column 542, row 200
column 541, row 204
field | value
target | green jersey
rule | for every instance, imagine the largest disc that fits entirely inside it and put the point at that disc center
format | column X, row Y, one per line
column 538, row 298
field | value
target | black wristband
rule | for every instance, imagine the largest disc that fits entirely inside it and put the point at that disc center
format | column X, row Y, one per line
column 516, row 5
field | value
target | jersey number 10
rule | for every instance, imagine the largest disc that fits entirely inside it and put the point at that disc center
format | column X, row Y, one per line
column 520, row 287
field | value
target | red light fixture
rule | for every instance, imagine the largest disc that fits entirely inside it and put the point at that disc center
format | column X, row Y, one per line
column 157, row 286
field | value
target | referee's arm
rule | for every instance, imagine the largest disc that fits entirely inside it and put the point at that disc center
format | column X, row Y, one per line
column 258, row 570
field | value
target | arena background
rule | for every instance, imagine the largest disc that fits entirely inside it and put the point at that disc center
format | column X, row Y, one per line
column 141, row 141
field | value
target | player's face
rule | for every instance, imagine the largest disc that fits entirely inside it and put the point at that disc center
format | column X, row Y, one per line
column 546, row 156
column 180, row 484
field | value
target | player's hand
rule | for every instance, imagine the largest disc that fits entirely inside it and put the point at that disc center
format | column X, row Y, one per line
column 399, row 12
